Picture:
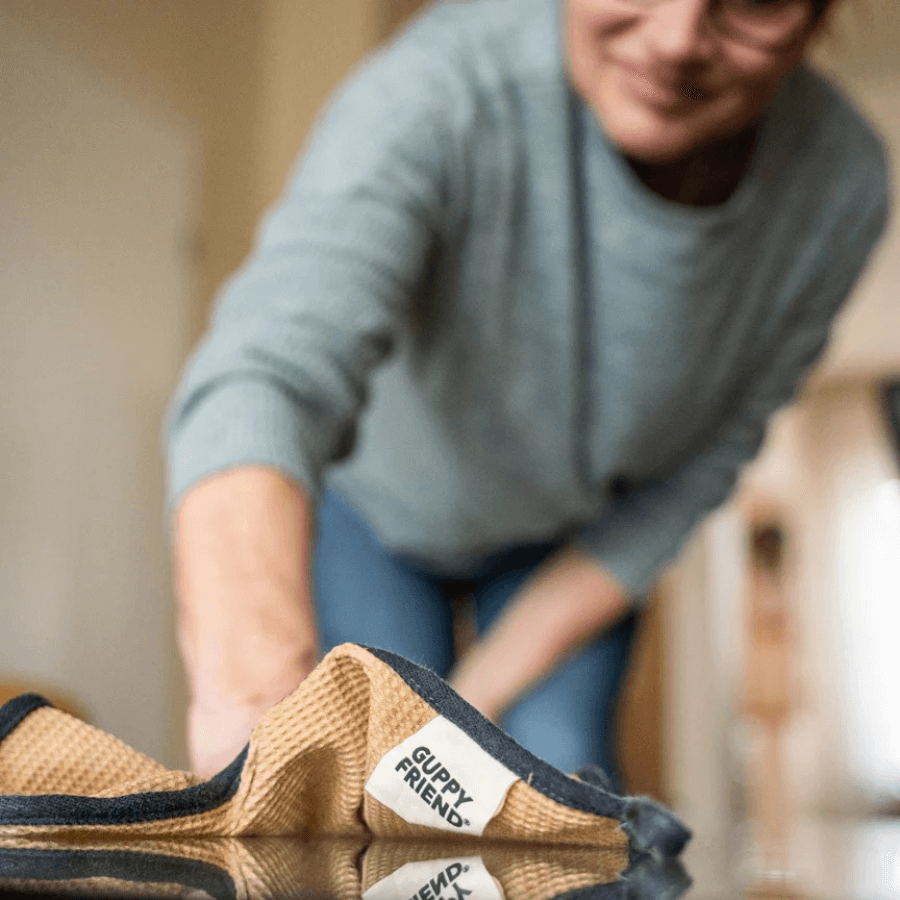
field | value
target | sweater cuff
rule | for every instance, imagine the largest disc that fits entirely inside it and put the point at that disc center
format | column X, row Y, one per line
column 243, row 423
column 632, row 548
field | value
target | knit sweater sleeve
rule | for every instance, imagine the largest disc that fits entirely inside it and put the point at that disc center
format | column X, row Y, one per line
column 281, row 377
column 648, row 527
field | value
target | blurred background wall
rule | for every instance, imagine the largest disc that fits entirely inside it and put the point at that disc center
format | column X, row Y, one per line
column 140, row 142
column 829, row 466
column 98, row 200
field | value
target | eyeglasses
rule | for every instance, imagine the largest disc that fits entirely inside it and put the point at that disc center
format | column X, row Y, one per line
column 766, row 24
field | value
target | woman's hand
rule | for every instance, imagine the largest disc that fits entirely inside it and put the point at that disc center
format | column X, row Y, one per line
column 246, row 626
column 569, row 601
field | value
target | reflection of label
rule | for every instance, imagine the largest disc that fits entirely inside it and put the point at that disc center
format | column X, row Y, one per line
column 438, row 879
column 441, row 778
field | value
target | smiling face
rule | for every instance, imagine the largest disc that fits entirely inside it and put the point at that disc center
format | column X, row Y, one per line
column 665, row 78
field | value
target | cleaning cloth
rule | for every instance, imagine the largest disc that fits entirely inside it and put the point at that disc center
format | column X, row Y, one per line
column 369, row 743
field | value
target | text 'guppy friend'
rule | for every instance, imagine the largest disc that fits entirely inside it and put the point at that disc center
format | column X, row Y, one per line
column 432, row 781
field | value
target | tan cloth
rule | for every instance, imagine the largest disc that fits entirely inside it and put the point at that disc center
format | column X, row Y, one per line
column 305, row 772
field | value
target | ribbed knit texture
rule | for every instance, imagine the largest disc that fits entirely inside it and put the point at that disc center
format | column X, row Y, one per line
column 536, row 351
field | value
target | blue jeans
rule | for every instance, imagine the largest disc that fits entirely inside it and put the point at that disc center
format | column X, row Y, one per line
column 370, row 596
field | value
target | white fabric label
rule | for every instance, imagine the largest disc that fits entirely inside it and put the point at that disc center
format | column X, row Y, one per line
column 438, row 879
column 441, row 778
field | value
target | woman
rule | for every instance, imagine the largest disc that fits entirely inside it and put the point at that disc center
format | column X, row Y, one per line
column 595, row 245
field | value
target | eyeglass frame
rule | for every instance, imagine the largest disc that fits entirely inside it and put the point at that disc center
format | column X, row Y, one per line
column 815, row 14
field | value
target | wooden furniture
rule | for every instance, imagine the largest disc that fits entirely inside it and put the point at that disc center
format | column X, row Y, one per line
column 9, row 689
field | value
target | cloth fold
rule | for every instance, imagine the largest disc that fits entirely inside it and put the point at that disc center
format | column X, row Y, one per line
column 368, row 744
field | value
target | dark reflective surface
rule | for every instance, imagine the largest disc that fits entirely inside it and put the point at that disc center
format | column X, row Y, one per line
column 820, row 860
column 809, row 857
column 232, row 869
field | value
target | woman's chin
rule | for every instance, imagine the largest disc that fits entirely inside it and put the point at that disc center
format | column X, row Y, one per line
column 654, row 147
column 658, row 137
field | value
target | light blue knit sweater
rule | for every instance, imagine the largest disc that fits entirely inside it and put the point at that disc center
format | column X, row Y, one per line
column 548, row 327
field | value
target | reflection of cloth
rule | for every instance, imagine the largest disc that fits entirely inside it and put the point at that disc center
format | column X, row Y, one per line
column 367, row 595
column 368, row 743
column 573, row 333
column 343, row 869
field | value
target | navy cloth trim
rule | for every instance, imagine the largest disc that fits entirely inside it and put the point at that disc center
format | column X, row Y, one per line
column 13, row 711
column 543, row 777
column 595, row 775
column 606, row 890
column 647, row 824
column 152, row 806
column 655, row 877
column 150, row 868
column 649, row 877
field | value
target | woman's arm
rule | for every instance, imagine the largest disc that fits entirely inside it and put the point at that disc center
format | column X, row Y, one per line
column 569, row 601
column 246, row 626
column 646, row 529
column 273, row 394
column 586, row 588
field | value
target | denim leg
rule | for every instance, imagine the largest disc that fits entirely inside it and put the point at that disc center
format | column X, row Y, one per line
column 569, row 719
column 367, row 596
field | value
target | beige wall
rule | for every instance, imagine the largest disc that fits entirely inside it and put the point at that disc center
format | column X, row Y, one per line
column 307, row 47
column 143, row 228
column 247, row 75
column 198, row 60
column 97, row 197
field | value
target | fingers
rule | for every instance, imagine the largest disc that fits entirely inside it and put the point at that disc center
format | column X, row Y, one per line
column 218, row 733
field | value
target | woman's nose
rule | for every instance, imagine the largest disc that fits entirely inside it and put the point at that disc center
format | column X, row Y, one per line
column 681, row 32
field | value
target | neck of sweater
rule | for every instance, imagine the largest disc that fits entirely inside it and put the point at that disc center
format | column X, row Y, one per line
column 706, row 177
